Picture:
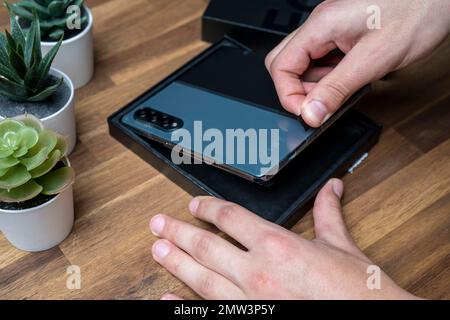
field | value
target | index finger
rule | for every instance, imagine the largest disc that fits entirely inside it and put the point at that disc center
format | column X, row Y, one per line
column 237, row 222
column 293, row 61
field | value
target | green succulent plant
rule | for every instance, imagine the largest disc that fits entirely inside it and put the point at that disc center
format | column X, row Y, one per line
column 30, row 158
column 24, row 73
column 53, row 15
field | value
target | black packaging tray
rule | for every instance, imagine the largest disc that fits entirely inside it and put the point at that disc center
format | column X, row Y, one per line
column 259, row 24
column 289, row 196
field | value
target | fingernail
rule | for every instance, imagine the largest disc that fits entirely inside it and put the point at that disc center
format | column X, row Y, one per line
column 157, row 225
column 316, row 112
column 161, row 249
column 338, row 188
column 193, row 206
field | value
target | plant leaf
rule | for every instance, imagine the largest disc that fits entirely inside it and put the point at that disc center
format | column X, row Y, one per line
column 62, row 145
column 3, row 171
column 13, row 88
column 30, row 137
column 33, row 5
column 4, row 59
column 16, row 30
column 56, row 181
column 47, row 166
column 56, row 8
column 21, row 152
column 22, row 193
column 57, row 22
column 15, row 59
column 46, row 93
column 31, row 78
column 4, row 153
column 35, row 161
column 10, row 74
column 30, row 45
column 47, row 139
column 46, row 62
column 56, row 33
column 9, row 125
column 21, row 12
column 15, row 177
column 8, row 162
column 5, row 93
column 30, row 121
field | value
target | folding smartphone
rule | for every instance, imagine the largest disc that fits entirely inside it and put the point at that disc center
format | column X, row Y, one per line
column 235, row 134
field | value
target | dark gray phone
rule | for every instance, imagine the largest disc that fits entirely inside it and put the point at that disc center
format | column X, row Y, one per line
column 253, row 142
column 224, row 111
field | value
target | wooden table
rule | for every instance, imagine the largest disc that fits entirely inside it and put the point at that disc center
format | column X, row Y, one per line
column 397, row 204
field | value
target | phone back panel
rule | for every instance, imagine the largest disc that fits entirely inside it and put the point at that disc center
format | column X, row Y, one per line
column 220, row 114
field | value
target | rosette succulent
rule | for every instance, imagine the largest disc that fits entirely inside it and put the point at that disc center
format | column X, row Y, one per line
column 32, row 160
column 54, row 15
column 24, row 73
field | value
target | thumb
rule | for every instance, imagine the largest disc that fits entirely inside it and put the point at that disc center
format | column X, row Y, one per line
column 329, row 223
column 358, row 68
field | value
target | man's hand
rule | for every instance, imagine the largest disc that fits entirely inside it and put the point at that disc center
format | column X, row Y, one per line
column 276, row 263
column 313, row 82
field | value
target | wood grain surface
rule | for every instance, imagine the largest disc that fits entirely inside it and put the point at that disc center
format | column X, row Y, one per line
column 397, row 204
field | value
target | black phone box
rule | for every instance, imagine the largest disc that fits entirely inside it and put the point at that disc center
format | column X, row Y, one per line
column 289, row 195
column 259, row 24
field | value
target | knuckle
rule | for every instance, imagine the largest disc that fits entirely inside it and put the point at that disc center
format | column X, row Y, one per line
column 325, row 9
column 277, row 243
column 202, row 246
column 225, row 214
column 276, row 65
column 206, row 286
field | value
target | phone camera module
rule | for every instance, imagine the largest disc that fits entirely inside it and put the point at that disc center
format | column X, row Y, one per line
column 158, row 119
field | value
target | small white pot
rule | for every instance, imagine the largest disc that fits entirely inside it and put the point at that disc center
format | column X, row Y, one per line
column 63, row 121
column 40, row 228
column 76, row 55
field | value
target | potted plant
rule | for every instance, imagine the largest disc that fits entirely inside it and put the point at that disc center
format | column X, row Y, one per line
column 70, row 19
column 36, row 199
column 29, row 85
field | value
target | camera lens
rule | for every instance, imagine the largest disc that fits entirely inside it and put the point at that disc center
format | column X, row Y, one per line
column 158, row 119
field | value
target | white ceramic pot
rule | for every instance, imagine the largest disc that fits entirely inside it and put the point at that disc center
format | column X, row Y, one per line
column 63, row 121
column 76, row 55
column 40, row 228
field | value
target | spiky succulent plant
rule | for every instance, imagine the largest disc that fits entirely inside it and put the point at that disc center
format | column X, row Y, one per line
column 30, row 160
column 53, row 15
column 24, row 73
